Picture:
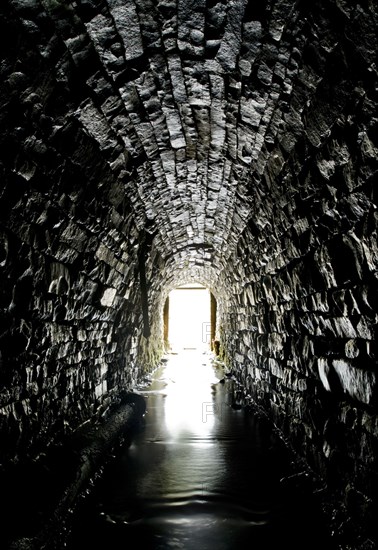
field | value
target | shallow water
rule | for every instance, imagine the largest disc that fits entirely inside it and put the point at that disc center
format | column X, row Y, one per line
column 201, row 474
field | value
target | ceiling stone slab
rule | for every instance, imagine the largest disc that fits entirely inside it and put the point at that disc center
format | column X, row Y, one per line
column 188, row 99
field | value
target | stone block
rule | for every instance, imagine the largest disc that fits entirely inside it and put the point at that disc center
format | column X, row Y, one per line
column 357, row 383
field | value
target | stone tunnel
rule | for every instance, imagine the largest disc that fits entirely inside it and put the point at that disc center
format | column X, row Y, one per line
column 147, row 144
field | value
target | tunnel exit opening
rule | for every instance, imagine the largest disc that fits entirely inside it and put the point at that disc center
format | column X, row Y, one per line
column 189, row 318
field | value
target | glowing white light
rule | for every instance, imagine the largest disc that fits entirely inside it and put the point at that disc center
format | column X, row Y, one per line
column 189, row 401
column 189, row 319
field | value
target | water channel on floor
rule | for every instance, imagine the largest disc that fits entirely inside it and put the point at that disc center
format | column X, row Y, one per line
column 201, row 474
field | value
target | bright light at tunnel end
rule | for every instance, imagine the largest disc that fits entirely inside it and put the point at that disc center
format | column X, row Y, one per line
column 189, row 318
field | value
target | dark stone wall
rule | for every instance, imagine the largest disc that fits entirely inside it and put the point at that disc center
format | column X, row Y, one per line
column 70, row 301
column 148, row 144
column 303, row 341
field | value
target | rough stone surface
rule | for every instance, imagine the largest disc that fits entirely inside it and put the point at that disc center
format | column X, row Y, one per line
column 38, row 497
column 148, row 144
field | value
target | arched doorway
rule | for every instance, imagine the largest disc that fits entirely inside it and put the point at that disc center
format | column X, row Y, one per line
column 189, row 318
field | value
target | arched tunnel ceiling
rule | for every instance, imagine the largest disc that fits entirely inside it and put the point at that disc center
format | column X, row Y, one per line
column 172, row 97
column 186, row 99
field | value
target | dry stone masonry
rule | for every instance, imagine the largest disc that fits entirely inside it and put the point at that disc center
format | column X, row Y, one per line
column 149, row 143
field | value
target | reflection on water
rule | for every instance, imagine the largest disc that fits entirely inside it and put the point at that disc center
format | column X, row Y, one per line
column 200, row 475
column 188, row 407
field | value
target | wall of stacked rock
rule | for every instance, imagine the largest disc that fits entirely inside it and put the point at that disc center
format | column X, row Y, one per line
column 303, row 339
column 70, row 297
column 71, row 317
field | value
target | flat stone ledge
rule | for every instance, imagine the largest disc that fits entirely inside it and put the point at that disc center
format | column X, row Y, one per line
column 38, row 498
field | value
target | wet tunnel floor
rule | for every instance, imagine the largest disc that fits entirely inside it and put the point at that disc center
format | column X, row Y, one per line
column 199, row 475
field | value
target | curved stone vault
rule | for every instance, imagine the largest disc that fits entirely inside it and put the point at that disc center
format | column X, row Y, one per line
column 150, row 143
